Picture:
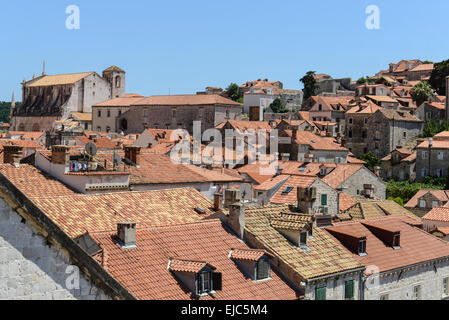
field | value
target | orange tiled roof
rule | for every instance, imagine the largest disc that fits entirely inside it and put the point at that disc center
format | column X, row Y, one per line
column 186, row 100
column 268, row 184
column 31, row 135
column 120, row 102
column 143, row 270
column 416, row 245
column 179, row 265
column 77, row 214
column 159, row 169
column 316, row 142
column 101, row 142
column 247, row 254
column 438, row 214
column 346, row 201
column 60, row 79
column 294, row 182
column 442, row 195
column 34, row 183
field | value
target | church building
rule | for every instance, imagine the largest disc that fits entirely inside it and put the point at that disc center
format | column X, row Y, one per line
column 50, row 98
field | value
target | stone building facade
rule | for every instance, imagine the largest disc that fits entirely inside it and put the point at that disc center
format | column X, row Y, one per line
column 387, row 130
column 37, row 264
column 399, row 165
column 432, row 157
column 48, row 98
column 178, row 112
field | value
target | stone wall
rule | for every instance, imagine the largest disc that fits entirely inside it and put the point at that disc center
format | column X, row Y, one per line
column 31, row 268
column 354, row 184
column 400, row 286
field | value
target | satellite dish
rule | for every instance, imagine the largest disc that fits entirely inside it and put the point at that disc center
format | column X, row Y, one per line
column 91, row 149
column 116, row 159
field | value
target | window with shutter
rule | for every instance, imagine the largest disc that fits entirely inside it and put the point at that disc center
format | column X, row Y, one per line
column 262, row 269
column 320, row 293
column 349, row 289
column 324, row 199
column 217, row 281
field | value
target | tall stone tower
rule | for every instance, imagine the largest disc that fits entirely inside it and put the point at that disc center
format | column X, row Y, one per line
column 116, row 77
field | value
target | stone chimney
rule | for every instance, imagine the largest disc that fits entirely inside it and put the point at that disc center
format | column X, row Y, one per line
column 377, row 171
column 132, row 153
column 231, row 196
column 306, row 197
column 12, row 154
column 126, row 233
column 236, row 219
column 60, row 155
column 218, row 201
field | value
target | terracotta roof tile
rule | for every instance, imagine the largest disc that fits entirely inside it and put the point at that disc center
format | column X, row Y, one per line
column 438, row 214
column 281, row 197
column 60, row 79
column 143, row 270
column 416, row 246
column 185, row 100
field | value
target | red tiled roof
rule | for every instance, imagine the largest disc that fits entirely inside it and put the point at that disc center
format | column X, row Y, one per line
column 438, row 214
column 27, row 135
column 294, row 182
column 179, row 265
column 143, row 270
column 101, row 142
column 186, row 100
column 267, row 185
column 416, row 245
column 160, row 169
column 442, row 195
column 346, row 201
column 247, row 254
column 120, row 102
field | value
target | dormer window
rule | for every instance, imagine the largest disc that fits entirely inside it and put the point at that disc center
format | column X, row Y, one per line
column 303, row 238
column 362, row 247
column 262, row 269
column 397, row 241
column 287, row 191
column 204, row 282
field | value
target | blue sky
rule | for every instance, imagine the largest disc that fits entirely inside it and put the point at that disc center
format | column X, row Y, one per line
column 184, row 46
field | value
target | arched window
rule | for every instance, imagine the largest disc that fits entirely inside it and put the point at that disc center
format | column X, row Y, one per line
column 36, row 127
column 21, row 127
column 124, row 124
column 118, row 82
column 108, row 129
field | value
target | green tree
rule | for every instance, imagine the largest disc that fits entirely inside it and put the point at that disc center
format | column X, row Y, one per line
column 5, row 108
column 233, row 91
column 432, row 128
column 421, row 92
column 310, row 85
column 438, row 77
column 277, row 107
column 371, row 160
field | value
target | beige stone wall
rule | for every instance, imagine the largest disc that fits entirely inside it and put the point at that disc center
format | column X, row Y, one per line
column 30, row 268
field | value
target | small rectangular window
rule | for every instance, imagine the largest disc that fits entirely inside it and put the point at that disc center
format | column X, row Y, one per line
column 324, row 199
column 262, row 269
column 320, row 293
column 349, row 290
column 287, row 191
column 109, row 114
column 446, row 286
column 303, row 238
column 362, row 247
column 417, row 292
column 99, row 113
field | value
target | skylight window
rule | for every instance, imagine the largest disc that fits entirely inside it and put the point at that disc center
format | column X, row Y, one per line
column 287, row 191
column 302, row 169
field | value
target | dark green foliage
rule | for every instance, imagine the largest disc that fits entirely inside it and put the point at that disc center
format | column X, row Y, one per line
column 363, row 80
column 371, row 160
column 233, row 91
column 432, row 128
column 397, row 200
column 310, row 85
column 5, row 108
column 405, row 190
column 277, row 107
column 438, row 77
column 421, row 92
